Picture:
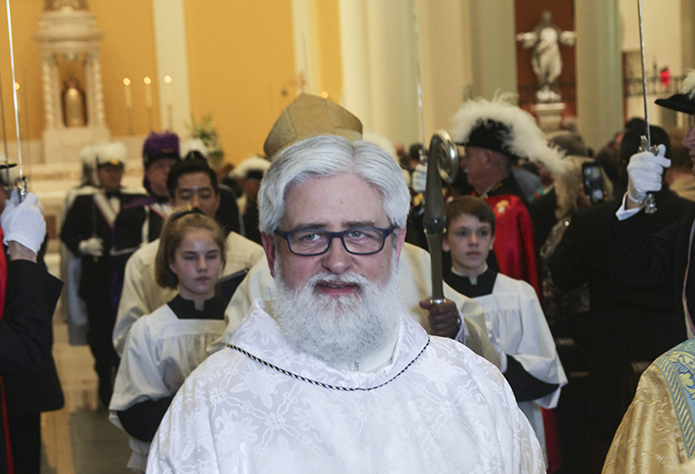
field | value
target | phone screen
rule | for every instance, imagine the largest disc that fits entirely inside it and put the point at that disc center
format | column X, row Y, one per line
column 593, row 182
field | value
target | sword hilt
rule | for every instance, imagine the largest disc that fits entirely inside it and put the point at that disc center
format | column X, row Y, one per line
column 649, row 201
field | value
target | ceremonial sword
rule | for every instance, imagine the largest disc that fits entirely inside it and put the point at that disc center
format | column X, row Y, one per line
column 22, row 182
column 646, row 140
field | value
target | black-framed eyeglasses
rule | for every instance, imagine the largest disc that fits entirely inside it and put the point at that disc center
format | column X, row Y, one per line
column 357, row 241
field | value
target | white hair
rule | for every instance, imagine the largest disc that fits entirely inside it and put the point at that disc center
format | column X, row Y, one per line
column 688, row 87
column 524, row 139
column 327, row 156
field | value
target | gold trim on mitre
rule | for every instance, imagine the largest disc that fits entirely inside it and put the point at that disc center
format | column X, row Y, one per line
column 309, row 116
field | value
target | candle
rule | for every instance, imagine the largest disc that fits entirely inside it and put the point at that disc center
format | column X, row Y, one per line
column 167, row 89
column 148, row 92
column 128, row 97
column 167, row 98
column 16, row 88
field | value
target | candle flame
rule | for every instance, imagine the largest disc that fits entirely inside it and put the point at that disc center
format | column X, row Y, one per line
column 16, row 86
column 126, row 81
column 147, row 80
column 167, row 79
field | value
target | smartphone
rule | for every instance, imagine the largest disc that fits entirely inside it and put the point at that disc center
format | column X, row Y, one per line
column 593, row 182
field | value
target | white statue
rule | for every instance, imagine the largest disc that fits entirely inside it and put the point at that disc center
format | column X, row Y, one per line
column 546, row 61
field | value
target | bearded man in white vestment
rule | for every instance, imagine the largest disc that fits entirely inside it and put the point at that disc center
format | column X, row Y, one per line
column 332, row 375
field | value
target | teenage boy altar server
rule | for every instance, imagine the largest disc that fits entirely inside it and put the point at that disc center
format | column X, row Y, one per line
column 530, row 362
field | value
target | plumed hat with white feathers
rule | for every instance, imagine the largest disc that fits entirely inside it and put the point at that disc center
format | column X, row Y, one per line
column 501, row 126
column 111, row 154
column 250, row 165
column 195, row 146
column 685, row 100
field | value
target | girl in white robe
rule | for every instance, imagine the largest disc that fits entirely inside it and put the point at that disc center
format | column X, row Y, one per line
column 167, row 345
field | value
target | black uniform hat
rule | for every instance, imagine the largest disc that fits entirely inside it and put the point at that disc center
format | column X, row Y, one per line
column 685, row 100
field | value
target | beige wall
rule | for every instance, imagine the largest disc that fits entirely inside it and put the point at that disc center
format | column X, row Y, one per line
column 127, row 50
column 25, row 19
column 241, row 68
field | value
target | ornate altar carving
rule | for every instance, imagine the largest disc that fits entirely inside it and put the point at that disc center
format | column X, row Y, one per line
column 58, row 5
column 69, row 40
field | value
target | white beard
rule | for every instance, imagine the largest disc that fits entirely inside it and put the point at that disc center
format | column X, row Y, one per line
column 339, row 330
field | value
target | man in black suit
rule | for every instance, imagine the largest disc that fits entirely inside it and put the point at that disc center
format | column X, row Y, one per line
column 625, row 323
column 28, row 295
column 640, row 258
column 87, row 233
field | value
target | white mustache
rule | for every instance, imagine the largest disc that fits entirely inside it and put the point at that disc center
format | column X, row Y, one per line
column 343, row 279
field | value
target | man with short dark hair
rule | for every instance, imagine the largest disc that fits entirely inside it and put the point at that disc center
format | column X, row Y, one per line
column 641, row 259
column 190, row 183
column 333, row 374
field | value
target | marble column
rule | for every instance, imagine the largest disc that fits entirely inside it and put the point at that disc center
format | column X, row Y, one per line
column 379, row 82
column 354, row 47
column 493, row 47
column 172, row 60
column 305, row 47
column 599, row 73
column 443, row 59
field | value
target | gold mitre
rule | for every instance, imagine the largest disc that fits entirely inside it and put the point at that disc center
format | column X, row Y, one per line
column 309, row 116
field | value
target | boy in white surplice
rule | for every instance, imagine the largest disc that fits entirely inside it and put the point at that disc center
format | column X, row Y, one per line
column 512, row 311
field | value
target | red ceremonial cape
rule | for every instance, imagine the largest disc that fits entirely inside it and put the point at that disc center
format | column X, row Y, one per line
column 514, row 240
column 5, row 421
column 516, row 257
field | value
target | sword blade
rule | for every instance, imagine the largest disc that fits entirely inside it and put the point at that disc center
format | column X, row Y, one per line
column 644, row 71
column 22, row 179
column 650, row 203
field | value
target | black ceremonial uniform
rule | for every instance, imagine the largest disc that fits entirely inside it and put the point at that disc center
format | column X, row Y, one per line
column 94, row 216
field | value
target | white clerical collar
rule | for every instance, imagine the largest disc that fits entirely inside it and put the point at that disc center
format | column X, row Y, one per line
column 372, row 362
column 258, row 338
column 474, row 280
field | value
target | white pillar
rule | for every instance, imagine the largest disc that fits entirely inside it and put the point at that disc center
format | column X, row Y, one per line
column 494, row 50
column 379, row 84
column 688, row 33
column 48, row 78
column 172, row 60
column 305, row 46
column 354, row 48
column 599, row 73
column 442, row 60
column 392, row 64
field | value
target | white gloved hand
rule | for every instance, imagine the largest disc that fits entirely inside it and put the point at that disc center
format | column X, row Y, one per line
column 23, row 222
column 644, row 173
column 92, row 246
column 420, row 178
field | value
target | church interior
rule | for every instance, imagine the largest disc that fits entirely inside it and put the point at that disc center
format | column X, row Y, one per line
column 90, row 71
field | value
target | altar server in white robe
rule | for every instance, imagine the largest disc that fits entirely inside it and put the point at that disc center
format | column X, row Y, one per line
column 332, row 374
column 194, row 183
column 529, row 359
column 166, row 345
